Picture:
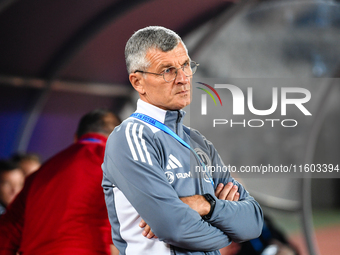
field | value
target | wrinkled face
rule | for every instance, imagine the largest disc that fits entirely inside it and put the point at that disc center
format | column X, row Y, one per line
column 11, row 183
column 154, row 89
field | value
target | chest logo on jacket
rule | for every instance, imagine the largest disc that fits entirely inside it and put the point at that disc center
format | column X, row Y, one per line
column 170, row 176
column 207, row 162
column 173, row 162
column 203, row 156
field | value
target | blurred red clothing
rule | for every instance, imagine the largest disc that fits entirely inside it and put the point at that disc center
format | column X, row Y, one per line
column 61, row 209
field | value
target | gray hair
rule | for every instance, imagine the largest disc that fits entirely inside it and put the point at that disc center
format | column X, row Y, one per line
column 152, row 37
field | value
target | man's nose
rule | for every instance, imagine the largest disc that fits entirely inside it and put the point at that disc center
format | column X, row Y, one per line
column 181, row 77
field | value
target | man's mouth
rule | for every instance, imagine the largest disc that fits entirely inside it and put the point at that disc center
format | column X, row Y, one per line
column 183, row 92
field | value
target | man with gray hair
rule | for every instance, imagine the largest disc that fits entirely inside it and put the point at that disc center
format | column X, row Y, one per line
column 149, row 180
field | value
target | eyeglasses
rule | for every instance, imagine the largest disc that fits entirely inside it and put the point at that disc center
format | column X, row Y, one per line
column 170, row 74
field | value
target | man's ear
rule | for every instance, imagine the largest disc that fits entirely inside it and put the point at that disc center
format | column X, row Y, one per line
column 136, row 80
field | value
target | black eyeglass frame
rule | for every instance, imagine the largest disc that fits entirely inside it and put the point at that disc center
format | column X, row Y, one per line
column 163, row 72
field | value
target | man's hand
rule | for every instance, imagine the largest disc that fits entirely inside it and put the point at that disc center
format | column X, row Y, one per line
column 200, row 204
column 147, row 230
column 197, row 203
column 227, row 192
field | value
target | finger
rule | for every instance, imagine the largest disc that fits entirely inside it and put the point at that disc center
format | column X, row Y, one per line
column 219, row 189
column 232, row 193
column 237, row 196
column 146, row 230
column 150, row 235
column 142, row 223
column 225, row 191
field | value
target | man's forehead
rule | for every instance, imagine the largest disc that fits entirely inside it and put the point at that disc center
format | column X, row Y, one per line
column 159, row 57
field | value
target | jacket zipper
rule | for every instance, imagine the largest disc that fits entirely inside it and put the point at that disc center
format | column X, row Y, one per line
column 179, row 117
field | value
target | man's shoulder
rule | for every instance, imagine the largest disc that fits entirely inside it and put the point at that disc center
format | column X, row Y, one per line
column 192, row 132
column 132, row 124
column 130, row 129
column 197, row 136
column 132, row 139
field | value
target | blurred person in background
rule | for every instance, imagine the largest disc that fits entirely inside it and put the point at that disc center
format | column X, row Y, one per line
column 61, row 209
column 12, row 180
column 28, row 162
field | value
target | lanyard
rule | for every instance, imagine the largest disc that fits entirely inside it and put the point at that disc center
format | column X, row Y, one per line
column 167, row 130
column 92, row 140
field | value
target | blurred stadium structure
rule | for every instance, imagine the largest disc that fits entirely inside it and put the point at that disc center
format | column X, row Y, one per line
column 278, row 44
column 57, row 64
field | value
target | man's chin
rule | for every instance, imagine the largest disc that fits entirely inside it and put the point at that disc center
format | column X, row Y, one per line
column 181, row 106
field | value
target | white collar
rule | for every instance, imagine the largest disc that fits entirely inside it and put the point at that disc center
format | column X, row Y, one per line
column 151, row 110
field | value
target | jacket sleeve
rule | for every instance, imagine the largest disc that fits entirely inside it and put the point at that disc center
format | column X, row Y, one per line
column 132, row 163
column 241, row 220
